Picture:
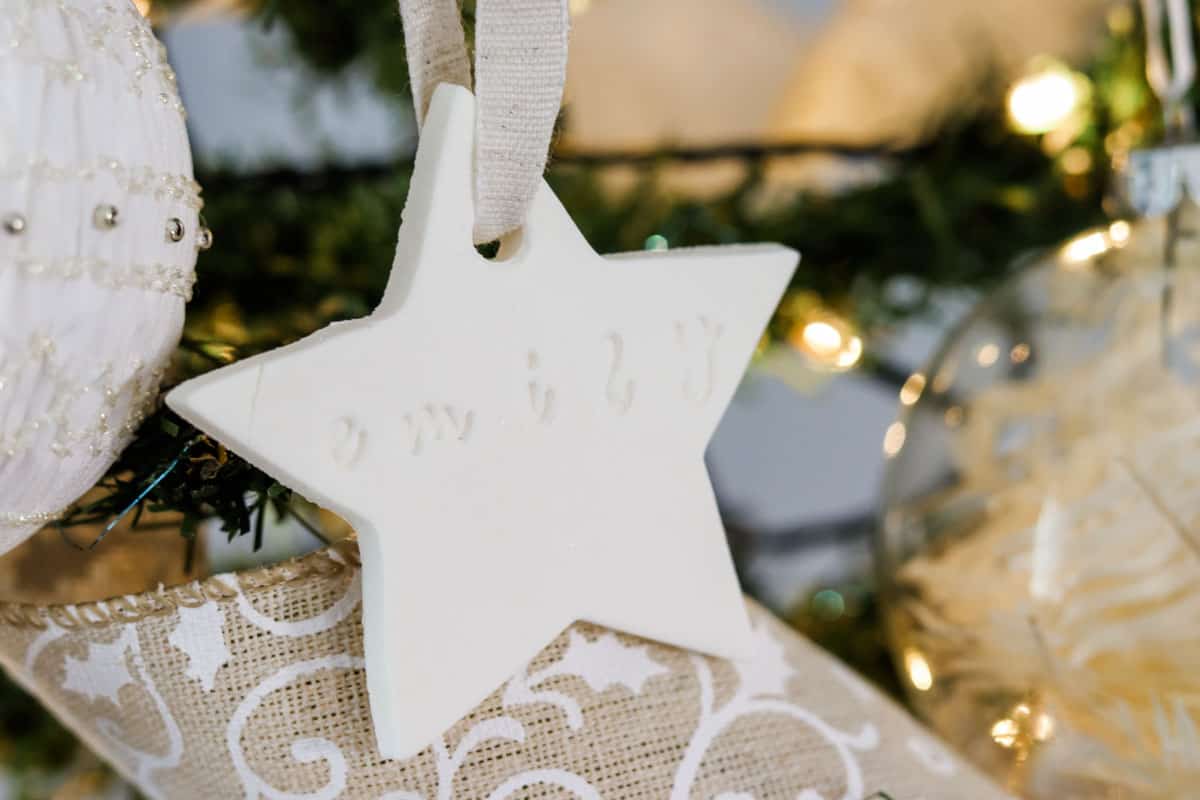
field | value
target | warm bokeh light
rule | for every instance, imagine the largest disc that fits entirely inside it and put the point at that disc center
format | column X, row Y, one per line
column 1121, row 19
column 1019, row 354
column 823, row 339
column 850, row 354
column 1005, row 733
column 1044, row 99
column 828, row 341
column 1085, row 247
column 893, row 440
column 988, row 354
column 1076, row 161
column 1043, row 727
column 1022, row 728
column 917, row 668
column 944, row 378
column 1118, row 143
column 953, row 416
column 143, row 6
column 910, row 392
column 1119, row 233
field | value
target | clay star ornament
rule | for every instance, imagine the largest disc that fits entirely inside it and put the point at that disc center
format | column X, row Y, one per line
column 518, row 443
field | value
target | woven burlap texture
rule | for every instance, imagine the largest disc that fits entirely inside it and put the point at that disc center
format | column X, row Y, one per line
column 251, row 685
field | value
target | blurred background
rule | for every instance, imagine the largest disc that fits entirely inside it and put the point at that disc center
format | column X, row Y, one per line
column 912, row 150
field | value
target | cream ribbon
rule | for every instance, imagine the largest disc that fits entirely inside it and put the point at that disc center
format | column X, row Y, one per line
column 520, row 69
column 1171, row 77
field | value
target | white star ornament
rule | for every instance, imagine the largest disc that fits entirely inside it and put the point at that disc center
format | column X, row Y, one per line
column 519, row 443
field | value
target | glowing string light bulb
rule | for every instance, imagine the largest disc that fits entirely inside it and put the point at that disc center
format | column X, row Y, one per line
column 893, row 439
column 828, row 341
column 1090, row 244
column 1119, row 233
column 988, row 354
column 1045, row 99
column 822, row 338
column 1022, row 729
column 1085, row 247
column 910, row 392
column 917, row 667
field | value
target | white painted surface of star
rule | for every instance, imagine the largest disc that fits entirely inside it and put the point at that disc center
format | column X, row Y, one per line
column 518, row 443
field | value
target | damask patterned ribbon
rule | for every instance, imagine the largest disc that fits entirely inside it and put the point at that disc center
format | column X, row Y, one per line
column 520, row 70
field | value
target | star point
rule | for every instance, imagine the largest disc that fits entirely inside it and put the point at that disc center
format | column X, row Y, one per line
column 518, row 444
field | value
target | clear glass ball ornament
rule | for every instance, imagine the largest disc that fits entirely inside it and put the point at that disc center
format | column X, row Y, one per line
column 1040, row 526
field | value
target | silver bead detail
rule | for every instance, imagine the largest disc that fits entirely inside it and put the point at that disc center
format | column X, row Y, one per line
column 175, row 229
column 106, row 217
column 204, row 238
column 14, row 224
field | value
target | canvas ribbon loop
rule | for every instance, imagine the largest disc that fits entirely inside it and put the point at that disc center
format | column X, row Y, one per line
column 520, row 70
column 1170, row 76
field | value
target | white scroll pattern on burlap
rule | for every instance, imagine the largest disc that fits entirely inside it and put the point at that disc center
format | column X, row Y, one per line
column 279, row 710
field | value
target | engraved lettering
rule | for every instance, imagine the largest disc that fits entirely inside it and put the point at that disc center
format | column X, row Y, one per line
column 349, row 442
column 437, row 423
column 620, row 395
column 541, row 399
column 705, row 333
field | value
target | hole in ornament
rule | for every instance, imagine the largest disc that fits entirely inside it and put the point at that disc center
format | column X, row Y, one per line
column 502, row 249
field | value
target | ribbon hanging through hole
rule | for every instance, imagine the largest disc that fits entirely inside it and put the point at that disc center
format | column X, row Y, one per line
column 520, row 71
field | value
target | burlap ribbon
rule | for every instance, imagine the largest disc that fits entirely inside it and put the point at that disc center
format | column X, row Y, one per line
column 252, row 686
column 520, row 69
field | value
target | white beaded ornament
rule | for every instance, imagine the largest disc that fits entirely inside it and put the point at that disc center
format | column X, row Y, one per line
column 99, row 228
